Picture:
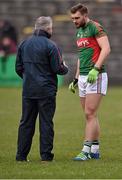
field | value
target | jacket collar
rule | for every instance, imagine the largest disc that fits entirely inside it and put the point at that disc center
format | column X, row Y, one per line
column 39, row 32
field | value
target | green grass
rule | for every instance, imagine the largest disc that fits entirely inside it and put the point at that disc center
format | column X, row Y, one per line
column 69, row 131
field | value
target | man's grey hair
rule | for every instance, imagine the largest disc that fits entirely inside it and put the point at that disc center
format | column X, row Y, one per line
column 43, row 23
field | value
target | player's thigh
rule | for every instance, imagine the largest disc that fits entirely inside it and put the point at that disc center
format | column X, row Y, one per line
column 82, row 102
column 92, row 102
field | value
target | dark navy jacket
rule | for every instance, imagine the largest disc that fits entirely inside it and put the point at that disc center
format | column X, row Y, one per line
column 38, row 62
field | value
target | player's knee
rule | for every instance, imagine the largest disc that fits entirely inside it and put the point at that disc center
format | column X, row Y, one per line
column 90, row 113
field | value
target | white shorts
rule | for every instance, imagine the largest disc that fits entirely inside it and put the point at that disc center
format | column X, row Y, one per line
column 99, row 87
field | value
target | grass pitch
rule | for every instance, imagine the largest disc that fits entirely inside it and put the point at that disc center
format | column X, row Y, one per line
column 69, row 131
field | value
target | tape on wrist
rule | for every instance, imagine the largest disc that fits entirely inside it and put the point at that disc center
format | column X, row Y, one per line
column 75, row 81
column 96, row 68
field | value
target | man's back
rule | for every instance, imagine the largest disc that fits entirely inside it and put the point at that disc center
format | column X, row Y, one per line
column 39, row 59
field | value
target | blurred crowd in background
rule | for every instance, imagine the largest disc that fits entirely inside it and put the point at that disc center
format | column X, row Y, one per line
column 17, row 21
column 8, row 38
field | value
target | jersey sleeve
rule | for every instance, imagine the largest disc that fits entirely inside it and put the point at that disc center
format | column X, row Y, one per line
column 99, row 31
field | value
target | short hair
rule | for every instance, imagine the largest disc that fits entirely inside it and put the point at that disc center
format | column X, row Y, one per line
column 43, row 23
column 79, row 7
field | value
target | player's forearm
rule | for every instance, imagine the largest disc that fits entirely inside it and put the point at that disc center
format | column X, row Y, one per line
column 102, row 57
column 78, row 69
column 77, row 74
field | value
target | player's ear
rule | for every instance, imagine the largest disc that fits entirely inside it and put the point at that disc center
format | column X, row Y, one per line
column 85, row 15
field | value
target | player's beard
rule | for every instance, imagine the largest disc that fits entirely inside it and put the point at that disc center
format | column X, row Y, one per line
column 82, row 24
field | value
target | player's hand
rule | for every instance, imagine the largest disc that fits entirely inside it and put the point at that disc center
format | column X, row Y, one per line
column 92, row 76
column 73, row 85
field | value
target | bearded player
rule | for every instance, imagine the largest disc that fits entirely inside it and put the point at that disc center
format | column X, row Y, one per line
column 93, row 49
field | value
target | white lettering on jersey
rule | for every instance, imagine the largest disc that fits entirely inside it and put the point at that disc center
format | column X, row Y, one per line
column 82, row 43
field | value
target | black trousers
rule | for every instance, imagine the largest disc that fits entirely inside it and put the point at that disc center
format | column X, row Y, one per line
column 30, row 109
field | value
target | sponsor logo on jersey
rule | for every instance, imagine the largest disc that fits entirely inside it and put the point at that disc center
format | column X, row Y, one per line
column 82, row 42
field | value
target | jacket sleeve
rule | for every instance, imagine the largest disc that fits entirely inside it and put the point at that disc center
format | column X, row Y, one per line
column 56, row 61
column 19, row 64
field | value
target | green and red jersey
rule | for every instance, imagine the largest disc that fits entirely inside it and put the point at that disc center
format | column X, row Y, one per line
column 88, row 48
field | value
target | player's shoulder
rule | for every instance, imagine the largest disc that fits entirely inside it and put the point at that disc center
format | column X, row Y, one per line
column 98, row 28
column 95, row 24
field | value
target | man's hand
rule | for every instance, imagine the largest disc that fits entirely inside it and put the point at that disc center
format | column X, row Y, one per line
column 92, row 76
column 72, row 86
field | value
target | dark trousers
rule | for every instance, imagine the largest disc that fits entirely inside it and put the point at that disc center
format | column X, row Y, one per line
column 30, row 109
